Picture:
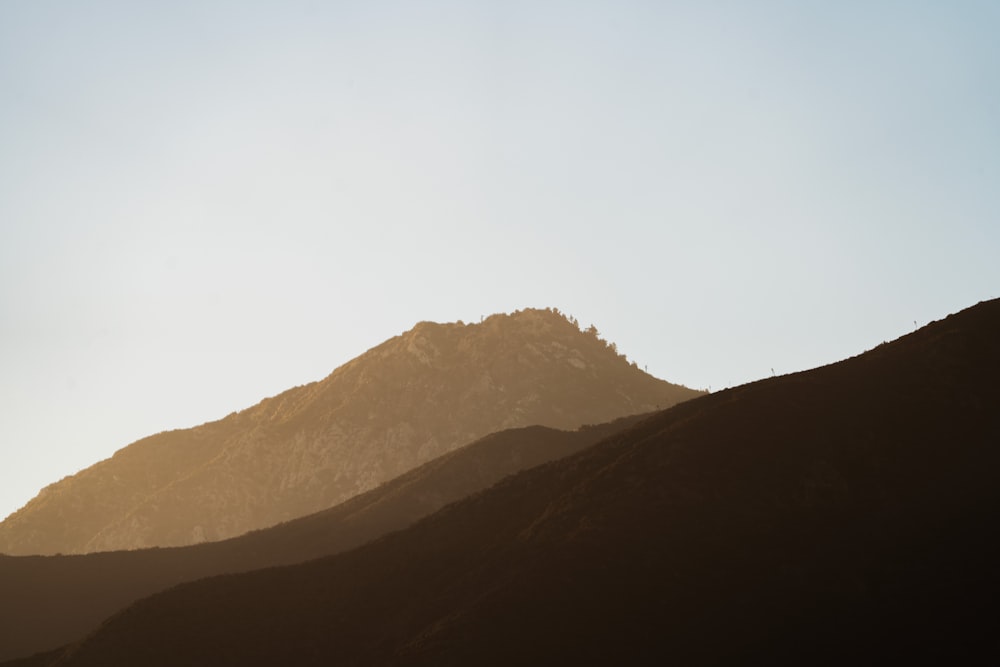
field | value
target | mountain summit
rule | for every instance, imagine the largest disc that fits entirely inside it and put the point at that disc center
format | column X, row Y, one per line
column 412, row 398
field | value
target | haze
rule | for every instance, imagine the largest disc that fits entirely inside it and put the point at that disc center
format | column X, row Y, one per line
column 205, row 203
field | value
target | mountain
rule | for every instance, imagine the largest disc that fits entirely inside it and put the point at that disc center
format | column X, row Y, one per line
column 841, row 515
column 49, row 601
column 416, row 396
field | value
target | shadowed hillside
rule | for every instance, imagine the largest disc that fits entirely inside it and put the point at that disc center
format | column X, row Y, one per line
column 841, row 515
column 48, row 601
column 403, row 403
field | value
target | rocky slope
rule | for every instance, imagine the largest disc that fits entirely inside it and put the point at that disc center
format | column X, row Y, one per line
column 405, row 402
column 845, row 515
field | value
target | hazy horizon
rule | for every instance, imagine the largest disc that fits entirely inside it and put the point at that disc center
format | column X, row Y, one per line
column 206, row 203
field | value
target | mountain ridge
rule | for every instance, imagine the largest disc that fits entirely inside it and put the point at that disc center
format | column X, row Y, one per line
column 845, row 513
column 401, row 403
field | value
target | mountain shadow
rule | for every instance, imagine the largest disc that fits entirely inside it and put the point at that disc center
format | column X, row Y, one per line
column 49, row 601
column 840, row 515
column 416, row 396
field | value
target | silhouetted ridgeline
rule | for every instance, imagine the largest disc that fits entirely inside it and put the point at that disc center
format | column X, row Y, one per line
column 403, row 403
column 48, row 601
column 842, row 515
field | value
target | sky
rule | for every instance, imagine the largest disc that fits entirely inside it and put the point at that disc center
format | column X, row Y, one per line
column 204, row 203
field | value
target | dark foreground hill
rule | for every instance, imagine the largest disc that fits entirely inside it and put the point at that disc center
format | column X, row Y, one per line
column 49, row 601
column 842, row 515
column 413, row 398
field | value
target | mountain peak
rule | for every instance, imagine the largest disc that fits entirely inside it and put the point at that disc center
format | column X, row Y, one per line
column 414, row 397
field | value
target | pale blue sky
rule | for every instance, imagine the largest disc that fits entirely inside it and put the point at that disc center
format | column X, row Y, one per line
column 205, row 203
